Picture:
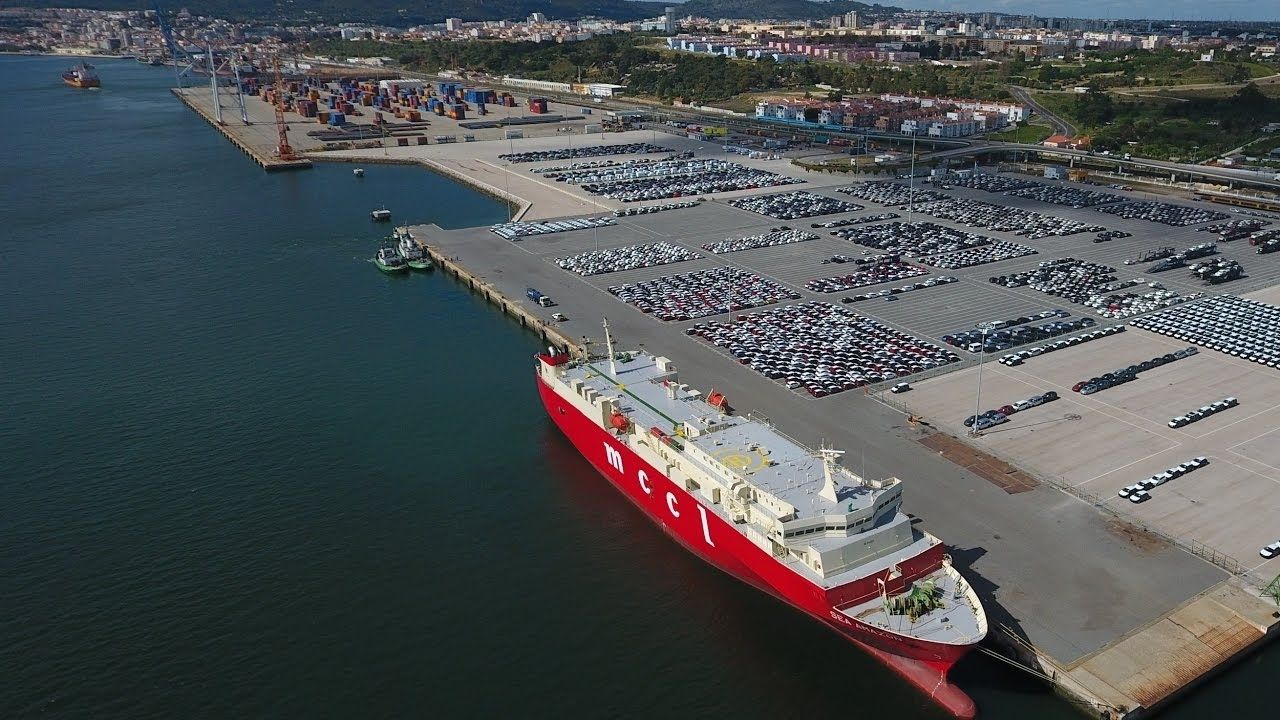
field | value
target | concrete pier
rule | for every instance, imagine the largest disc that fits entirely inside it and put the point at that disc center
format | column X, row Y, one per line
column 258, row 139
column 1115, row 617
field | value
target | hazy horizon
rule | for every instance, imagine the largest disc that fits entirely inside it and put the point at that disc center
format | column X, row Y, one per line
column 1165, row 10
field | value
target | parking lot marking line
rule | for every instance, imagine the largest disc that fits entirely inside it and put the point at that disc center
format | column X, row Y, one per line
column 1089, row 402
column 1255, row 437
column 1215, row 431
column 1259, row 565
column 1126, row 465
column 1249, row 469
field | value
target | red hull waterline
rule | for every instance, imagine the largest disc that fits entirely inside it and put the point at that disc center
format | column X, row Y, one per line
column 922, row 663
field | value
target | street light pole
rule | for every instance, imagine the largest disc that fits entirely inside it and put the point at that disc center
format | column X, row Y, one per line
column 911, row 183
column 985, row 327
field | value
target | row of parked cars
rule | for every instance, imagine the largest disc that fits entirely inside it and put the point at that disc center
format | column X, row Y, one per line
column 1025, row 223
column 647, row 209
column 702, row 293
column 887, row 192
column 1203, row 412
column 1001, row 339
column 514, row 231
column 777, row 236
column 857, row 220
column 1015, row 359
column 583, row 152
column 991, row 183
column 1141, row 492
column 1109, row 235
column 822, row 348
column 716, row 178
column 995, row 252
column 1066, row 195
column 643, row 171
column 792, row 205
column 627, row 257
column 1166, row 213
column 893, row 292
column 1000, row 415
column 1235, row 229
column 1239, row 327
column 552, row 171
column 1068, row 278
column 1216, row 271
column 889, row 270
column 1130, row 373
column 914, row 239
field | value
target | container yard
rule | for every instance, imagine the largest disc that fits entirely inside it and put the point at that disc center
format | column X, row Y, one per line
column 351, row 114
column 1173, row 580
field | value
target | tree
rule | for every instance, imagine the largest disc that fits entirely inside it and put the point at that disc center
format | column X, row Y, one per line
column 1048, row 73
column 1094, row 108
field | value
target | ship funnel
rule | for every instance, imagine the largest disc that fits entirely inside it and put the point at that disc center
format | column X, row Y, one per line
column 829, row 457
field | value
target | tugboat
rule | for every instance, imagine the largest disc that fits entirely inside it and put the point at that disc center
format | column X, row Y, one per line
column 388, row 261
column 358, row 172
column 81, row 76
column 413, row 255
column 381, row 215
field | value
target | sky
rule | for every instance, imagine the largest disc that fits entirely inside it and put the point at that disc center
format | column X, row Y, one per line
column 1108, row 9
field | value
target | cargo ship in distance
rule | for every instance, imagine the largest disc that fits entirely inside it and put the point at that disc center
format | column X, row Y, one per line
column 760, row 506
column 81, row 76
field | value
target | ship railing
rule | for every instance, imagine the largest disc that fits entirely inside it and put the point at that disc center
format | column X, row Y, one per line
column 764, row 419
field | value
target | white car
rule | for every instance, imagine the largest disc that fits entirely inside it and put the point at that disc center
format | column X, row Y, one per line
column 900, row 388
column 1271, row 550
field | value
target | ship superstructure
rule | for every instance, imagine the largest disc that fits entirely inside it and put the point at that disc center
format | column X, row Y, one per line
column 81, row 76
column 787, row 519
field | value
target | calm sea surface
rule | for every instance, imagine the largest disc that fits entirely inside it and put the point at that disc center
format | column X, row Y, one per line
column 244, row 474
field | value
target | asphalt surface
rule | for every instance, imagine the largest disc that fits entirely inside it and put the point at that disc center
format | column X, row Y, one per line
column 1060, row 126
column 1050, row 567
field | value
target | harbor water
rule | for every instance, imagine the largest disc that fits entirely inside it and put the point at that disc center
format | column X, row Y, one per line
column 247, row 475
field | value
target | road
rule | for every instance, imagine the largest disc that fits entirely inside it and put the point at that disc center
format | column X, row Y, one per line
column 1060, row 126
column 1201, row 171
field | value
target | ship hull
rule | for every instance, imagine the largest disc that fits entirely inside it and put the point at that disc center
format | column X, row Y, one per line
column 81, row 83
column 704, row 533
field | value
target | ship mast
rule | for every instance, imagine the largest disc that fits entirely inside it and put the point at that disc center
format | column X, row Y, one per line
column 829, row 456
column 608, row 344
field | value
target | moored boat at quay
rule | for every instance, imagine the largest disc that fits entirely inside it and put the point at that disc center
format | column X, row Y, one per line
column 389, row 261
column 408, row 249
column 783, row 518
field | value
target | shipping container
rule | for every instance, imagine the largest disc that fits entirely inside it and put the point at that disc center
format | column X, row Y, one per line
column 337, row 118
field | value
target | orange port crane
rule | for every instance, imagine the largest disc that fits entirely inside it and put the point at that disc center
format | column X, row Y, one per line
column 283, row 150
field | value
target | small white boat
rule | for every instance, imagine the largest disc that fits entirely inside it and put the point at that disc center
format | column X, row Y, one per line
column 380, row 215
column 358, row 172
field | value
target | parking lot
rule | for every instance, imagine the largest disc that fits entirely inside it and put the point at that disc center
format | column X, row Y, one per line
column 1103, row 442
column 1098, row 443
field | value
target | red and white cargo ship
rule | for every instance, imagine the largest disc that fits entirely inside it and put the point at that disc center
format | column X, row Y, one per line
column 784, row 518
